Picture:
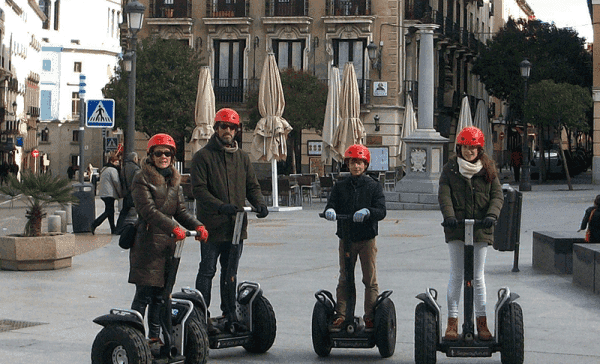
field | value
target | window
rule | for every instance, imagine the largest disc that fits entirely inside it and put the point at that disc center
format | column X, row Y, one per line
column 75, row 136
column 44, row 134
column 229, row 85
column 45, row 6
column 47, row 65
column 77, row 67
column 352, row 50
column 75, row 105
column 289, row 54
column 56, row 13
column 46, row 105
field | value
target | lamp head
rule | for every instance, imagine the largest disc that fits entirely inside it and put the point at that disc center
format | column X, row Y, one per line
column 525, row 66
column 135, row 15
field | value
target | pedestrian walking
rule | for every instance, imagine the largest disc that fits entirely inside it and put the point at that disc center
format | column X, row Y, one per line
column 109, row 191
column 222, row 179
column 516, row 161
column 128, row 170
column 591, row 222
column 160, row 205
column 361, row 197
column 469, row 189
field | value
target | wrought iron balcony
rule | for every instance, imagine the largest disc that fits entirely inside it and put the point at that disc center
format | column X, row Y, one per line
column 286, row 8
column 170, row 9
column 416, row 9
column 348, row 7
column 227, row 9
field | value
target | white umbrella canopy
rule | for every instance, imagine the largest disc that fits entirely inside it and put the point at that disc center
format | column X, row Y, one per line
column 204, row 114
column 408, row 126
column 482, row 122
column 332, row 115
column 350, row 129
column 464, row 119
column 271, row 132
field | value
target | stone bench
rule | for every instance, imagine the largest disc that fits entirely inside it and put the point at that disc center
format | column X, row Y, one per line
column 586, row 266
column 553, row 250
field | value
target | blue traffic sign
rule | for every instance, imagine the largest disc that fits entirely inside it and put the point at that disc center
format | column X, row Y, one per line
column 100, row 113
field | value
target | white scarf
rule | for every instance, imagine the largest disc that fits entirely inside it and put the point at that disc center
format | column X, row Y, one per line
column 468, row 169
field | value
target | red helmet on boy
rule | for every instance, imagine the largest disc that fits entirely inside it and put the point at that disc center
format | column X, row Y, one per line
column 161, row 139
column 471, row 136
column 358, row 151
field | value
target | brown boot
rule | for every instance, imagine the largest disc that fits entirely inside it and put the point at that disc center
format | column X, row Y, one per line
column 482, row 329
column 452, row 329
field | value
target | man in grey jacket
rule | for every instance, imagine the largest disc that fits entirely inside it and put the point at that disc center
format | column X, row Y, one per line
column 130, row 168
column 222, row 179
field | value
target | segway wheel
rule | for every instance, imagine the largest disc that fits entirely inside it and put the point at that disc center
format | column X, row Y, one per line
column 385, row 326
column 320, row 332
column 116, row 344
column 264, row 326
column 196, row 342
column 426, row 335
column 511, row 337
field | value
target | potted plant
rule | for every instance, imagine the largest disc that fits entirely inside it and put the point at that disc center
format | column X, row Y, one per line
column 33, row 250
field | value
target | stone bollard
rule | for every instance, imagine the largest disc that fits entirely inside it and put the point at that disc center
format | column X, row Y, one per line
column 63, row 220
column 69, row 209
column 53, row 223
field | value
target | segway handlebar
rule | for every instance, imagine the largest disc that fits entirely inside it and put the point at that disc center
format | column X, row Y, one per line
column 337, row 217
column 187, row 233
column 462, row 222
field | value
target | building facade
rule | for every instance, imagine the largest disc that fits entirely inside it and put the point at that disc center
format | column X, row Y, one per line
column 78, row 38
column 594, row 6
column 236, row 35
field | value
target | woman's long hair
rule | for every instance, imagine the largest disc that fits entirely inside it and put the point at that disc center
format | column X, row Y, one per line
column 488, row 164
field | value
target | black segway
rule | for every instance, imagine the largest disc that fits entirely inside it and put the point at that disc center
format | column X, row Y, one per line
column 508, row 336
column 251, row 321
column 353, row 333
column 123, row 337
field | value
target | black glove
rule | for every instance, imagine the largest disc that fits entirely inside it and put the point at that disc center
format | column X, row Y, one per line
column 229, row 209
column 488, row 222
column 262, row 211
column 450, row 223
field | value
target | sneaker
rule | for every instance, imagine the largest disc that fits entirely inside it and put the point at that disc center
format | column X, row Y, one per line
column 337, row 323
column 369, row 324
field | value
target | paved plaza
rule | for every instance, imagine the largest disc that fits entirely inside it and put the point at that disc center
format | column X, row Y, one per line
column 292, row 255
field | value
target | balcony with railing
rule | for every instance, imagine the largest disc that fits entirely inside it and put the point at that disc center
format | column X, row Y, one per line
column 348, row 7
column 227, row 8
column 416, row 9
column 286, row 8
column 170, row 9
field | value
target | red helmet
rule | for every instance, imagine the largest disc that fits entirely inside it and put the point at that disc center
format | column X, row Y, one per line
column 471, row 136
column 227, row 116
column 161, row 139
column 358, row 151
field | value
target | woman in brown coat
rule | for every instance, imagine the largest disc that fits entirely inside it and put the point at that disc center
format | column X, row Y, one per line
column 160, row 205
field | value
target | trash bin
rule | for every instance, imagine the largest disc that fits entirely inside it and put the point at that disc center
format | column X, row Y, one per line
column 84, row 212
column 508, row 227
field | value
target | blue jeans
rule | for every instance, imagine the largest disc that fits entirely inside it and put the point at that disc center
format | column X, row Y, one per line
column 210, row 253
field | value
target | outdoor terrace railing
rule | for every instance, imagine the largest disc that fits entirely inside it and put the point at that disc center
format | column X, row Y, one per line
column 348, row 7
column 286, row 8
column 170, row 9
column 227, row 8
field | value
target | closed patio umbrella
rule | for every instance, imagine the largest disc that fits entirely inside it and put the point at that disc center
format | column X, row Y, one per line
column 204, row 114
column 408, row 126
column 332, row 114
column 350, row 129
column 464, row 119
column 482, row 122
column 270, row 134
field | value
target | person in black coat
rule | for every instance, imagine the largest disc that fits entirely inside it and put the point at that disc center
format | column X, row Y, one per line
column 591, row 222
column 361, row 197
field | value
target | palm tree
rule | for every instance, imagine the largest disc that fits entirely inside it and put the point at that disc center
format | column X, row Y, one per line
column 39, row 191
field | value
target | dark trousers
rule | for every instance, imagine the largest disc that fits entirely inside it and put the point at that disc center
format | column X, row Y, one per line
column 517, row 172
column 210, row 253
column 109, row 212
column 151, row 297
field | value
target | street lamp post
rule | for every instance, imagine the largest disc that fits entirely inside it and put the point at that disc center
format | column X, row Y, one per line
column 525, row 184
column 135, row 18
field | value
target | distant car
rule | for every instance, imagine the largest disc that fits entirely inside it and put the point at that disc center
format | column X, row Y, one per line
column 554, row 164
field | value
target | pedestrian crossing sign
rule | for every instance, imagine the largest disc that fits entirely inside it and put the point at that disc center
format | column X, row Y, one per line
column 100, row 113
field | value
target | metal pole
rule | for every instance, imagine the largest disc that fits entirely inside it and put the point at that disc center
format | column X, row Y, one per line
column 81, row 127
column 525, row 184
column 130, row 132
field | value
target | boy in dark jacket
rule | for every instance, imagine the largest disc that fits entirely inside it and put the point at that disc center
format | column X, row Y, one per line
column 361, row 198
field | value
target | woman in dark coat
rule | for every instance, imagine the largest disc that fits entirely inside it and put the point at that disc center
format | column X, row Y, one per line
column 160, row 205
column 469, row 189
